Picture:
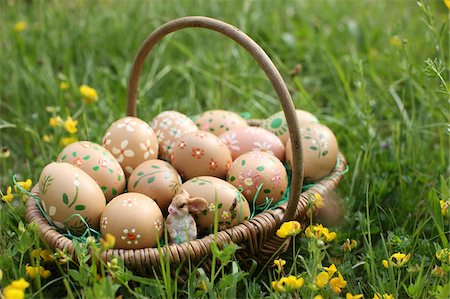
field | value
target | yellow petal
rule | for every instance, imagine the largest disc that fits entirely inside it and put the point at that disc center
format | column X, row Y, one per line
column 322, row 279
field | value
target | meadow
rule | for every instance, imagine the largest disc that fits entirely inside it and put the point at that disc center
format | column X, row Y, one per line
column 376, row 72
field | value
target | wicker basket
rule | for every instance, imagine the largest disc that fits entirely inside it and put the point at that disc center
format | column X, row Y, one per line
column 256, row 237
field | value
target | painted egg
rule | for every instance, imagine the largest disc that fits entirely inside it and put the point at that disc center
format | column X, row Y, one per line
column 231, row 205
column 70, row 197
column 253, row 169
column 134, row 219
column 158, row 180
column 277, row 123
column 169, row 127
column 201, row 153
column 241, row 140
column 98, row 163
column 131, row 141
column 320, row 149
column 219, row 121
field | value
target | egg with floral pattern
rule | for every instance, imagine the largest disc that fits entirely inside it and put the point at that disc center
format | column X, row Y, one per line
column 219, row 121
column 320, row 150
column 277, row 123
column 158, row 180
column 259, row 170
column 241, row 140
column 134, row 219
column 98, row 163
column 132, row 142
column 70, row 197
column 223, row 198
column 169, row 127
column 201, row 153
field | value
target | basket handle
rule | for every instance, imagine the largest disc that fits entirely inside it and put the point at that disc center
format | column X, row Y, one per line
column 264, row 62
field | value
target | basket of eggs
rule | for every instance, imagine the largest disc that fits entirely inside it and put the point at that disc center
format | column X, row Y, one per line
column 189, row 177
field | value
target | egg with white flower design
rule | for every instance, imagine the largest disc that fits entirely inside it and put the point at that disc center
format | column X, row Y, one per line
column 98, row 163
column 70, row 197
column 134, row 219
column 223, row 198
column 132, row 142
column 169, row 127
column 241, row 140
column 219, row 121
column 260, row 176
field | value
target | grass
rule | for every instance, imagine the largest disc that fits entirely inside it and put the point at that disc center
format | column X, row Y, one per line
column 376, row 72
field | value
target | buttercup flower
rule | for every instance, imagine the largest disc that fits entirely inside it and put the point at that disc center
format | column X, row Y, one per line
column 67, row 140
column 279, row 263
column 20, row 26
column 395, row 41
column 8, row 197
column 350, row 296
column 385, row 264
column 16, row 290
column 320, row 232
column 88, row 93
column 318, row 297
column 349, row 245
column 447, row 3
column 330, row 270
column 444, row 207
column 71, row 125
column 47, row 138
column 399, row 259
column 55, row 121
column 337, row 283
column 287, row 284
column 322, row 279
column 290, row 228
column 25, row 185
column 64, row 85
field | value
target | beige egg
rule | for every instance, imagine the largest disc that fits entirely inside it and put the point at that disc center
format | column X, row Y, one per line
column 231, row 206
column 134, row 219
column 201, row 153
column 320, row 149
column 219, row 121
column 277, row 123
column 253, row 169
column 169, row 127
column 131, row 141
column 241, row 140
column 70, row 197
column 98, row 163
column 158, row 180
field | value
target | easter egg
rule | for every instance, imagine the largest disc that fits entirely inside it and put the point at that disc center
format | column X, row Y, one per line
column 320, row 149
column 219, row 121
column 158, row 180
column 201, row 153
column 131, row 141
column 98, row 163
column 70, row 197
column 241, row 140
column 277, row 123
column 231, row 205
column 169, row 127
column 134, row 219
column 253, row 169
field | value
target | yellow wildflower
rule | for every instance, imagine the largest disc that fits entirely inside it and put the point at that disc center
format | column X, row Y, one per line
column 437, row 271
column 32, row 272
column 71, row 125
column 337, row 283
column 62, row 257
column 25, row 185
column 318, row 297
column 279, row 263
column 385, row 264
column 89, row 94
column 349, row 245
column 395, row 41
column 55, row 121
column 399, row 259
column 447, row 3
column 330, row 270
column 443, row 255
column 20, row 284
column 13, row 293
column 64, row 85
column 322, row 279
column 444, row 207
column 68, row 140
column 20, row 26
column 287, row 229
column 320, row 232
column 47, row 138
column 1, row 274
column 318, row 201
column 288, row 284
column 384, row 296
column 350, row 296
column 8, row 197
column 202, row 285
column 108, row 242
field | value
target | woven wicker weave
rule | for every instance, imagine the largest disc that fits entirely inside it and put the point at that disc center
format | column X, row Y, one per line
column 256, row 237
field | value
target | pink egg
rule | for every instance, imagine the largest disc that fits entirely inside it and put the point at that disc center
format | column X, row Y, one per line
column 241, row 140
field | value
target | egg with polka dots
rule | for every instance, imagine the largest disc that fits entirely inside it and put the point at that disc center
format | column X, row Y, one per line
column 132, row 142
column 219, row 121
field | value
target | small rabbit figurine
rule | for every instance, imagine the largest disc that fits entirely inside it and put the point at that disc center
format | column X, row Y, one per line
column 180, row 224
